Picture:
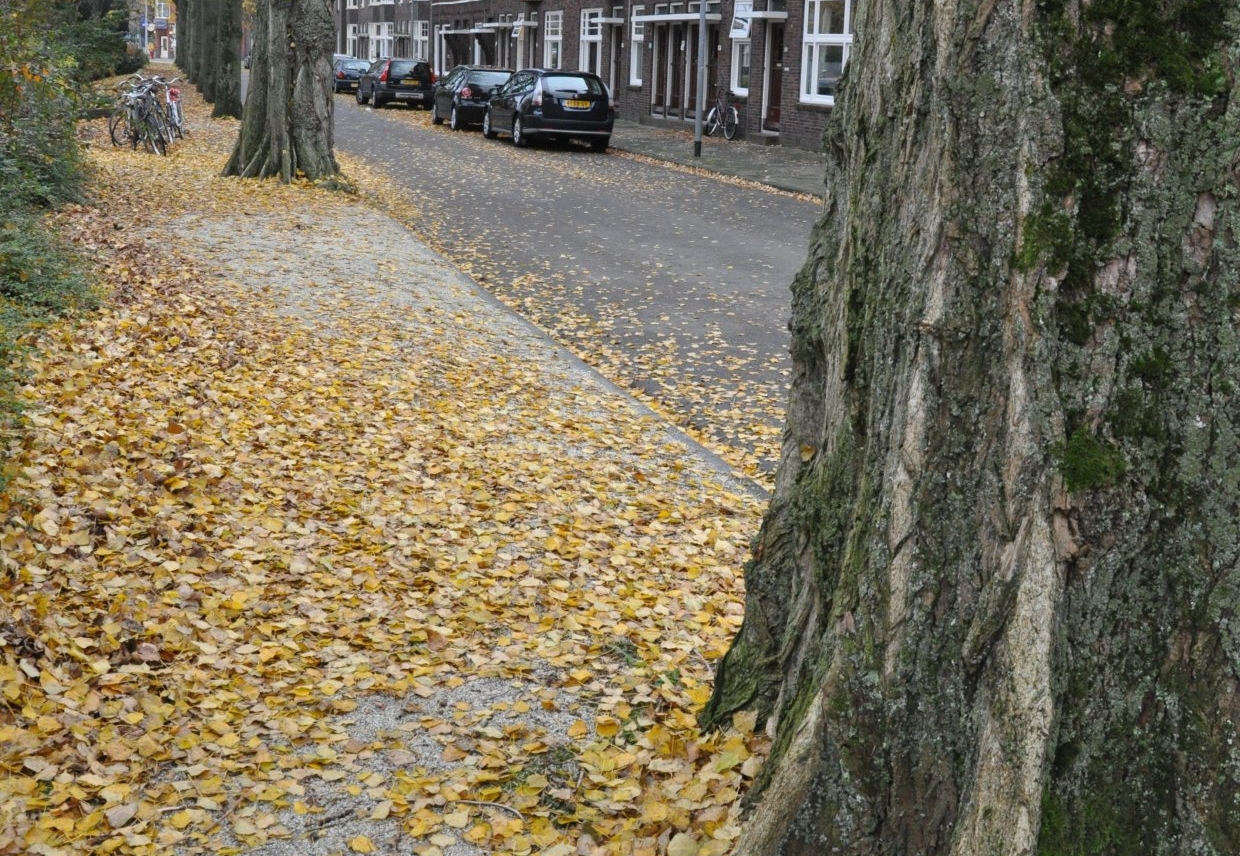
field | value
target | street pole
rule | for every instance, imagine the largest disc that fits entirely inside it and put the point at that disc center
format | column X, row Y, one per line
column 701, row 80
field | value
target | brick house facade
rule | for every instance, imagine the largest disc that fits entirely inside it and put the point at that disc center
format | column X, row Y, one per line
column 780, row 58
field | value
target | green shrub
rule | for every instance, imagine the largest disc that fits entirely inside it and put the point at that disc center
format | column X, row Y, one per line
column 46, row 56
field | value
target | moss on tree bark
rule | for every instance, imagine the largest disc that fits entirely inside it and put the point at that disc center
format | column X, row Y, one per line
column 992, row 605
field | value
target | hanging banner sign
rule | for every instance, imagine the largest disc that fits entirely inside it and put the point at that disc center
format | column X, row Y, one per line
column 741, row 15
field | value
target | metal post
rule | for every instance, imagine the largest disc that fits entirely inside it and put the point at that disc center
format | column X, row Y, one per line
column 701, row 80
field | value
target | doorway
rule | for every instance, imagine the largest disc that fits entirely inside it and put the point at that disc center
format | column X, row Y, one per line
column 774, row 76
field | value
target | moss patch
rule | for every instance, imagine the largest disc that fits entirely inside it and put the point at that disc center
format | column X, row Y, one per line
column 1087, row 462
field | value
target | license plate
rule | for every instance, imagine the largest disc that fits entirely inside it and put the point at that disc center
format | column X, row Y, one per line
column 408, row 83
column 353, row 85
column 577, row 104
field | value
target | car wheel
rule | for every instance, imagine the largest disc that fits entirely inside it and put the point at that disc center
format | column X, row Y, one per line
column 454, row 121
column 436, row 119
column 378, row 105
column 361, row 99
column 518, row 133
column 487, row 130
column 600, row 144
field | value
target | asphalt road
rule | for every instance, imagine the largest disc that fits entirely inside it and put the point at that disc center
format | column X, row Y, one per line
column 674, row 284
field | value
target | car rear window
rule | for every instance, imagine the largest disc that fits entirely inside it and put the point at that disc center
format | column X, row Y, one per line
column 572, row 84
column 405, row 69
column 355, row 65
column 489, row 78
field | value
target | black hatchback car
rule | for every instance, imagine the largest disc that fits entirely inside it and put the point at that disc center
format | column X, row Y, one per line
column 463, row 95
column 409, row 81
column 553, row 104
column 346, row 72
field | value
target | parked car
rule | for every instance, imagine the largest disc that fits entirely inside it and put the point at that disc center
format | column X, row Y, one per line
column 463, row 95
column 346, row 72
column 409, row 81
column 554, row 104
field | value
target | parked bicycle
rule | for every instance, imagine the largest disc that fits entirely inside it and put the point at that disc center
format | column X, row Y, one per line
column 172, row 105
column 722, row 113
column 142, row 115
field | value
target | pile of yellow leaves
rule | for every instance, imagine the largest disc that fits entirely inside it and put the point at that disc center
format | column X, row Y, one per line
column 248, row 517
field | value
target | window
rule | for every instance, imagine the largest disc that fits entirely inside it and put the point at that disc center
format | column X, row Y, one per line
column 553, row 39
column 637, row 43
column 161, row 10
column 591, row 25
column 828, row 36
column 591, row 54
column 740, row 66
column 383, row 38
column 421, row 38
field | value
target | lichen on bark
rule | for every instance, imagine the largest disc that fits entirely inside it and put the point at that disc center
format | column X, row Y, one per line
column 992, row 605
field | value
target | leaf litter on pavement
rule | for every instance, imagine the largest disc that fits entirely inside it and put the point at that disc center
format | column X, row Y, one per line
column 312, row 549
column 732, row 404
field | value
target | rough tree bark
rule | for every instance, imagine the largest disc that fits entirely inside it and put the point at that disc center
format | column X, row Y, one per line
column 992, row 606
column 286, row 128
column 225, row 69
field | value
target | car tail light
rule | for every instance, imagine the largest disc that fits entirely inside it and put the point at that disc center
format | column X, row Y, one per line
column 383, row 75
column 536, row 101
column 434, row 77
column 466, row 92
column 340, row 75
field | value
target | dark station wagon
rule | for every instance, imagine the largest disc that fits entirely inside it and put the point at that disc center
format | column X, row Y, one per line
column 408, row 81
column 552, row 104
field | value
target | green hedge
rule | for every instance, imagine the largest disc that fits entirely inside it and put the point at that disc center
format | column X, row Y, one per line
column 47, row 58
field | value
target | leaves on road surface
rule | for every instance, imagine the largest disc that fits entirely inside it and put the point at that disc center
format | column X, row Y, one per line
column 696, row 368
column 285, row 553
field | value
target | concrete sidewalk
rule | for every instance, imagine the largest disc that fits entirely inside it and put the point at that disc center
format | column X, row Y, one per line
column 782, row 167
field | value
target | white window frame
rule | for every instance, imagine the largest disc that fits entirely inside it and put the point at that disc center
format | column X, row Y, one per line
column 591, row 41
column 740, row 47
column 637, row 44
column 553, row 39
column 161, row 9
column 814, row 44
column 383, row 39
column 421, row 38
column 591, row 25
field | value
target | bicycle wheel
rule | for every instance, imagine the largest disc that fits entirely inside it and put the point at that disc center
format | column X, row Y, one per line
column 118, row 128
column 712, row 121
column 730, row 121
column 159, row 126
column 152, row 134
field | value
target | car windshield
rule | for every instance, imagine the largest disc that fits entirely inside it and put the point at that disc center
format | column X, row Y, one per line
column 488, row 78
column 565, row 84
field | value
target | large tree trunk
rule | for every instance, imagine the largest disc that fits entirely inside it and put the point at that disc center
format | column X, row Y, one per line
column 225, row 70
column 286, row 129
column 992, row 607
column 185, row 39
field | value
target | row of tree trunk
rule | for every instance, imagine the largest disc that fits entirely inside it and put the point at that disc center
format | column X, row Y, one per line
column 209, row 35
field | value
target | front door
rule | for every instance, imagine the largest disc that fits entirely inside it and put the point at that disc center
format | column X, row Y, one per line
column 670, row 58
column 774, row 76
